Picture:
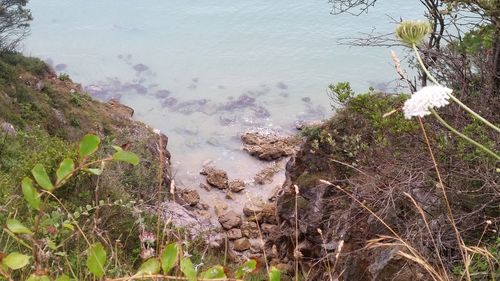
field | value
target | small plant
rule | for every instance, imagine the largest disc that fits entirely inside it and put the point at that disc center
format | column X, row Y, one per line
column 36, row 237
column 38, row 193
column 341, row 92
column 64, row 77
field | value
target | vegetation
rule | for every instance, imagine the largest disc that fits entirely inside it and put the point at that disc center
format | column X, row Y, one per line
column 14, row 23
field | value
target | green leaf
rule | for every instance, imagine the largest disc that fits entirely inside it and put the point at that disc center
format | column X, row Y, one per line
column 69, row 226
column 96, row 259
column 34, row 277
column 149, row 267
column 65, row 168
column 51, row 244
column 63, row 277
column 248, row 267
column 216, row 272
column 169, row 257
column 17, row 227
column 89, row 144
column 188, row 269
column 274, row 274
column 94, row 171
column 126, row 156
column 15, row 260
column 41, row 177
column 30, row 194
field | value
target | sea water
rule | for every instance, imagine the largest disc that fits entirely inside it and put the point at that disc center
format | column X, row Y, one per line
column 205, row 71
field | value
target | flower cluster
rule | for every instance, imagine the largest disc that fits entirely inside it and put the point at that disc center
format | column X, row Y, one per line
column 147, row 237
column 413, row 32
column 147, row 244
column 427, row 97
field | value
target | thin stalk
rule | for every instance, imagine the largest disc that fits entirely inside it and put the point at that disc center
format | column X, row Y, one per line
column 461, row 244
column 449, row 127
column 453, row 98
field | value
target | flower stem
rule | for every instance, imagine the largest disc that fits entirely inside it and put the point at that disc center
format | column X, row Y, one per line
column 449, row 127
column 465, row 107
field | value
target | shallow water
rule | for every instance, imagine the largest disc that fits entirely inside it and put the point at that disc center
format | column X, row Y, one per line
column 205, row 71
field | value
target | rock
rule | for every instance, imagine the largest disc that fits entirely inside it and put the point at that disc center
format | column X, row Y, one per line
column 234, row 234
column 254, row 208
column 269, row 213
column 215, row 177
column 8, row 128
column 301, row 124
column 242, row 244
column 267, row 146
column 269, row 229
column 229, row 195
column 181, row 217
column 230, row 220
column 266, row 175
column 189, row 197
column 121, row 109
column 204, row 214
column 250, row 229
column 256, row 246
column 39, row 86
column 220, row 208
column 236, row 186
column 203, row 206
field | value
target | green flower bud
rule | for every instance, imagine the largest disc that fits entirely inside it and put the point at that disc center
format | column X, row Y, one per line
column 413, row 32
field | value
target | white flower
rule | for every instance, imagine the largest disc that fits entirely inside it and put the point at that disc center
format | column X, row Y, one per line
column 427, row 97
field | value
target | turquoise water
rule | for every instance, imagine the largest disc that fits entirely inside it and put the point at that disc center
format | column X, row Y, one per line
column 204, row 71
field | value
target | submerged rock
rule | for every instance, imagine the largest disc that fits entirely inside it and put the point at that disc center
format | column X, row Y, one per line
column 266, row 175
column 243, row 101
column 282, row 86
column 169, row 102
column 189, row 107
column 140, row 67
column 162, row 94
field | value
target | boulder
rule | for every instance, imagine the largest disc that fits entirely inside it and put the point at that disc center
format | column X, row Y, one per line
column 216, row 177
column 268, row 146
column 230, row 220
